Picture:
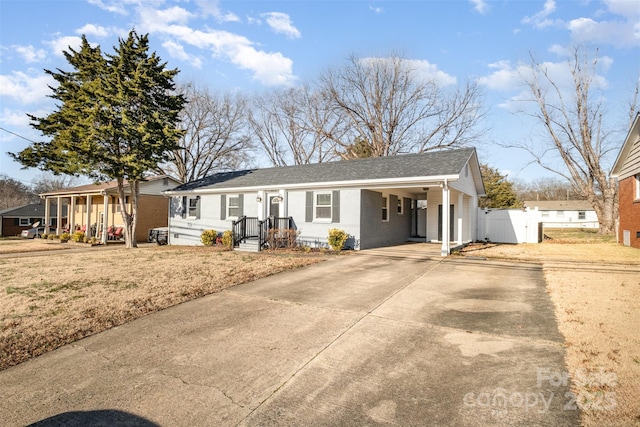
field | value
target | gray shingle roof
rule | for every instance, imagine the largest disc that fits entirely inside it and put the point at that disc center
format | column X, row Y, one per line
column 434, row 163
column 32, row 211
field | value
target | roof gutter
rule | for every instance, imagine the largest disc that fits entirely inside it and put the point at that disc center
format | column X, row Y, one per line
column 429, row 181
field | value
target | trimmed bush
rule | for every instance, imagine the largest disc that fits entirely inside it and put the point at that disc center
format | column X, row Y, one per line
column 337, row 239
column 78, row 237
column 209, row 237
column 227, row 239
column 64, row 237
column 44, row 236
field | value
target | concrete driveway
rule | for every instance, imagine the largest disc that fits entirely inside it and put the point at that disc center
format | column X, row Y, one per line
column 381, row 337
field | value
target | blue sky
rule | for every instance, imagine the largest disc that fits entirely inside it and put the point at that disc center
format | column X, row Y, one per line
column 251, row 46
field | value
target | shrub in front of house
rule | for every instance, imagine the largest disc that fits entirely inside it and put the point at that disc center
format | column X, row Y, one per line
column 337, row 239
column 209, row 237
column 282, row 238
column 227, row 239
column 44, row 236
column 64, row 237
column 78, row 237
column 52, row 236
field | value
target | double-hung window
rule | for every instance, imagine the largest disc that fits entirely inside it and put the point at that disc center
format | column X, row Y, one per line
column 400, row 205
column 323, row 206
column 233, row 208
column 24, row 222
column 385, row 208
column 637, row 184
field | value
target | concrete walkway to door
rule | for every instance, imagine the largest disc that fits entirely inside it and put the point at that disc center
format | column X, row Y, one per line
column 393, row 336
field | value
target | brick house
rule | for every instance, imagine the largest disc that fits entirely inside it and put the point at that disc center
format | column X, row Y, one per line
column 14, row 220
column 627, row 170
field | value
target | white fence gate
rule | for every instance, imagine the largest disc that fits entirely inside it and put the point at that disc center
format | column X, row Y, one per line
column 509, row 225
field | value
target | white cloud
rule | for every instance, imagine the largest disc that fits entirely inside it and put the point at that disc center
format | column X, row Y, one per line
column 431, row 71
column 120, row 7
column 157, row 19
column 281, row 23
column 177, row 51
column 504, row 78
column 212, row 8
column 378, row 10
column 268, row 68
column 25, row 88
column 616, row 33
column 626, row 8
column 480, row 6
column 30, row 53
column 93, row 30
column 63, row 43
column 541, row 19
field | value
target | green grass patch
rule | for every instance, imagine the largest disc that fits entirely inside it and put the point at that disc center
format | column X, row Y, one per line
column 577, row 235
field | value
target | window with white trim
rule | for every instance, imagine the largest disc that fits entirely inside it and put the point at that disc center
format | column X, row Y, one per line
column 233, row 206
column 637, row 182
column 24, row 222
column 400, row 205
column 582, row 215
column 193, row 206
column 385, row 208
column 322, row 206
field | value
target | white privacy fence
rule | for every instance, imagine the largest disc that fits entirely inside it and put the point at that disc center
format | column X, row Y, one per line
column 509, row 225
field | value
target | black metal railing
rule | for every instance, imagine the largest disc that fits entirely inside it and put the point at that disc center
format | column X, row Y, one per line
column 251, row 228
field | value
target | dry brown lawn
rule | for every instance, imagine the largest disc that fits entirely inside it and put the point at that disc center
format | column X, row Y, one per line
column 595, row 288
column 50, row 300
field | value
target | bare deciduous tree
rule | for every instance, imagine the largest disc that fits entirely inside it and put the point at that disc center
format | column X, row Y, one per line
column 47, row 182
column 215, row 135
column 572, row 117
column 14, row 193
column 287, row 122
column 546, row 189
column 387, row 102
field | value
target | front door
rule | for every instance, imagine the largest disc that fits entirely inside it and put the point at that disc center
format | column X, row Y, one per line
column 274, row 205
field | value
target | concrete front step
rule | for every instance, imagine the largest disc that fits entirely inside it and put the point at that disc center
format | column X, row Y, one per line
column 248, row 246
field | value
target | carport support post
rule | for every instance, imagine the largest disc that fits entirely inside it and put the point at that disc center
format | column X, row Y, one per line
column 444, row 250
column 460, row 211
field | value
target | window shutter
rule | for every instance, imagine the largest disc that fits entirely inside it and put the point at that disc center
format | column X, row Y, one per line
column 240, row 205
column 223, row 207
column 309, row 207
column 184, row 206
column 335, row 206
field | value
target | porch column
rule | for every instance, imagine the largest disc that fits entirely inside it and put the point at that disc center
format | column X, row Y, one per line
column 460, row 213
column 105, row 218
column 87, row 231
column 71, row 215
column 261, row 205
column 285, row 203
column 59, row 218
column 47, row 214
column 444, row 250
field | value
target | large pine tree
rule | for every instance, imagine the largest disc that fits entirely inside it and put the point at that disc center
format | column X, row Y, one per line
column 116, row 119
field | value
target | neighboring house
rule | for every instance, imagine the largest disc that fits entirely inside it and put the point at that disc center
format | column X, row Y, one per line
column 96, row 207
column 565, row 213
column 380, row 201
column 627, row 170
column 14, row 220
